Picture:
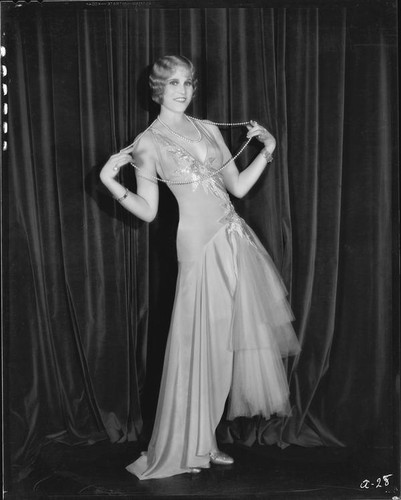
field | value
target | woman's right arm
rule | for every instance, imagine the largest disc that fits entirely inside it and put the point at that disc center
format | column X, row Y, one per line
column 143, row 203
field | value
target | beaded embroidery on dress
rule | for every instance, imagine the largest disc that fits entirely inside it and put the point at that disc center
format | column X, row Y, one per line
column 231, row 323
column 200, row 175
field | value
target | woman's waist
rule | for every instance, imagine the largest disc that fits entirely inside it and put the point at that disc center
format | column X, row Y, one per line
column 201, row 226
column 198, row 210
column 206, row 225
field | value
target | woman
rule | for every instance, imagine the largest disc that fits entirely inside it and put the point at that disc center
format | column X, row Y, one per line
column 230, row 324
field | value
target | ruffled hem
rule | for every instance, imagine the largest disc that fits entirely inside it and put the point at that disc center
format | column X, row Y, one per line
column 261, row 332
column 261, row 314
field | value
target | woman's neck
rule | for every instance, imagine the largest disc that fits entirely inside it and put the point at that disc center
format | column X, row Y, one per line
column 170, row 117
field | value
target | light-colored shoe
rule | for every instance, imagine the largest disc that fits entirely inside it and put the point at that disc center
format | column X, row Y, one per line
column 217, row 457
column 195, row 470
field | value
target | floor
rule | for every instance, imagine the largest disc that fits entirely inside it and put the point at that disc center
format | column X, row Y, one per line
column 259, row 472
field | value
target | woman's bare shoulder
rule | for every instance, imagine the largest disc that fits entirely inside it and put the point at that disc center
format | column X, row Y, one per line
column 144, row 144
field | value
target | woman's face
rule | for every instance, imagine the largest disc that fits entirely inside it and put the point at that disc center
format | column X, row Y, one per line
column 178, row 90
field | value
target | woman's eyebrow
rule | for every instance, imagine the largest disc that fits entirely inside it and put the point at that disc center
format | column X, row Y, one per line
column 176, row 79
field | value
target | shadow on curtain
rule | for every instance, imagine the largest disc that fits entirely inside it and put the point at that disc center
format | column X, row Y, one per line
column 90, row 287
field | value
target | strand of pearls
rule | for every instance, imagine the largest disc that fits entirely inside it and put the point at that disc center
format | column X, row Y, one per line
column 199, row 178
column 218, row 124
column 187, row 139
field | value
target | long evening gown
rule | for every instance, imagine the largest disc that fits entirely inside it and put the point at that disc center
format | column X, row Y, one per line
column 230, row 325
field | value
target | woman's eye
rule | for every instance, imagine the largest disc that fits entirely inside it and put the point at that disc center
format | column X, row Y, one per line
column 173, row 82
column 188, row 84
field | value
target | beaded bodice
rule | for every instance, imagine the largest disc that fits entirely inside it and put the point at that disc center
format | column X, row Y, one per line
column 204, row 203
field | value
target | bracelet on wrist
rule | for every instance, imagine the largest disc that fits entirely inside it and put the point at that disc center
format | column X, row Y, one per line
column 267, row 155
column 123, row 196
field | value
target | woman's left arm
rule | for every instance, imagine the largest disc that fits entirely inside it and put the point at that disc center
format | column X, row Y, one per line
column 240, row 183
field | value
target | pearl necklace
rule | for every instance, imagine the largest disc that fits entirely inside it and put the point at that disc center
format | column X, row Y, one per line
column 199, row 178
column 218, row 124
column 187, row 139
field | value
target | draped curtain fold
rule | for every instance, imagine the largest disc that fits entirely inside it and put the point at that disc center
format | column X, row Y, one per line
column 91, row 287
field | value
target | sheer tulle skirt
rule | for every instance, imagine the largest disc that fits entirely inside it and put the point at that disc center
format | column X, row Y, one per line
column 230, row 329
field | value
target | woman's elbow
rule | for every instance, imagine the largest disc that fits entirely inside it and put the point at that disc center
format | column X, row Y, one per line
column 148, row 211
column 237, row 189
column 241, row 194
column 149, row 216
column 144, row 215
column 238, row 192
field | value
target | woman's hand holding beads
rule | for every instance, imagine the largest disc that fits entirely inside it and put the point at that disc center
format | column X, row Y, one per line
column 113, row 165
column 262, row 135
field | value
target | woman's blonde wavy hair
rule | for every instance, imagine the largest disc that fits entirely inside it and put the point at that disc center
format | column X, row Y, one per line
column 161, row 71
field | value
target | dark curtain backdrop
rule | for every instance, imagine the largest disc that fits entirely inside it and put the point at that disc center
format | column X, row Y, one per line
column 90, row 287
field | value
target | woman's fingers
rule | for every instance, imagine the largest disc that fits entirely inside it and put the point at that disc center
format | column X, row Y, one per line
column 115, row 162
column 128, row 149
column 120, row 159
column 122, row 156
column 256, row 130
